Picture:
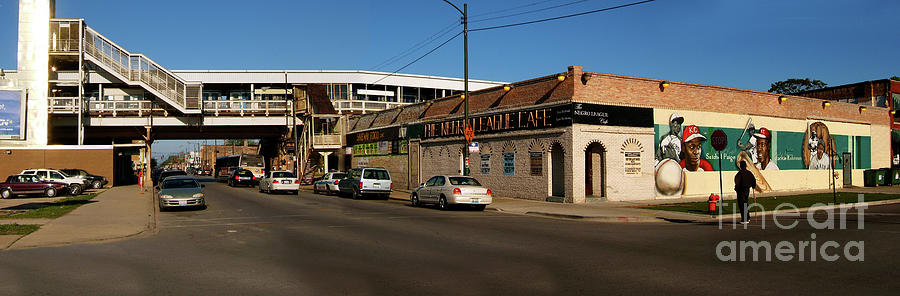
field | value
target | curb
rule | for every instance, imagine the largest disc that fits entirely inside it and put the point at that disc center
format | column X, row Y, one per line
column 617, row 219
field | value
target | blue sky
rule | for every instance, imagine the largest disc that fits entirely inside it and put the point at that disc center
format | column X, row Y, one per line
column 742, row 44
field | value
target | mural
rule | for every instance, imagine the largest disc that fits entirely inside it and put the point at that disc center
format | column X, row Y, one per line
column 683, row 148
column 755, row 149
column 819, row 145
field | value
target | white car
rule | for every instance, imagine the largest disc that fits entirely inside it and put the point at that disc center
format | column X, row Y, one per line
column 451, row 190
column 329, row 183
column 76, row 184
column 279, row 181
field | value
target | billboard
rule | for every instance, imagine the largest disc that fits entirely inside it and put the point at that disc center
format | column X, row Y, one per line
column 12, row 115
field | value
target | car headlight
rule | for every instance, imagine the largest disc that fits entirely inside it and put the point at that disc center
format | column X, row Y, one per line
column 198, row 195
column 165, row 196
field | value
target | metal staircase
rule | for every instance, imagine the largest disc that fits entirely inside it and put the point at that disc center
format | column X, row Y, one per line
column 139, row 70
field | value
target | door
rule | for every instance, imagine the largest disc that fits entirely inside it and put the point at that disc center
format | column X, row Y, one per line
column 588, row 175
column 438, row 188
column 425, row 193
column 846, row 161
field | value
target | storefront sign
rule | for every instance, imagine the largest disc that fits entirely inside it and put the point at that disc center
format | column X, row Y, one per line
column 543, row 118
column 374, row 136
column 12, row 115
column 632, row 163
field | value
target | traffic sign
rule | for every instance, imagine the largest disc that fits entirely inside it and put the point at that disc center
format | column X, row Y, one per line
column 473, row 147
column 469, row 133
column 719, row 140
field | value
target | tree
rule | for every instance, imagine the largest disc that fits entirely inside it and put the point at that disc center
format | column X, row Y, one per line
column 895, row 78
column 796, row 85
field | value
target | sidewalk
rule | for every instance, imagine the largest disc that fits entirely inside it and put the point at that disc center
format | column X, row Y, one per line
column 628, row 211
column 116, row 213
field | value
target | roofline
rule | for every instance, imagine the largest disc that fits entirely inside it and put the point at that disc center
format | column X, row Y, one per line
column 340, row 72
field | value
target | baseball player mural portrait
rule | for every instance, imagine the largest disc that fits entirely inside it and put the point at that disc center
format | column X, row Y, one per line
column 763, row 150
column 670, row 144
column 818, row 145
column 756, row 153
column 692, row 142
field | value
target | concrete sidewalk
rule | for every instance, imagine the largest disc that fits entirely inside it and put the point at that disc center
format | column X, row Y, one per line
column 116, row 213
column 612, row 211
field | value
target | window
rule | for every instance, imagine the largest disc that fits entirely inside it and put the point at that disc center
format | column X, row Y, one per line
column 338, row 176
column 537, row 163
column 56, row 176
column 432, row 181
column 440, row 181
column 376, row 175
column 464, row 181
column 509, row 163
column 180, row 183
column 485, row 164
column 336, row 91
column 282, row 175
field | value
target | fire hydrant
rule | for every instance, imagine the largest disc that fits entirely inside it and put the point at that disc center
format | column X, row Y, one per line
column 713, row 199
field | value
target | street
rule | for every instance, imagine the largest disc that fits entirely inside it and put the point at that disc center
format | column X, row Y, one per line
column 249, row 243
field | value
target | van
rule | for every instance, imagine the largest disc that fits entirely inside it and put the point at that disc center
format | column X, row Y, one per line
column 360, row 182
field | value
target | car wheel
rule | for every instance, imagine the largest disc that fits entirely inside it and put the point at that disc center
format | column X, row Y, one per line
column 442, row 204
column 5, row 193
column 96, row 184
column 260, row 188
column 315, row 189
column 50, row 192
column 355, row 194
column 479, row 207
column 415, row 200
column 76, row 189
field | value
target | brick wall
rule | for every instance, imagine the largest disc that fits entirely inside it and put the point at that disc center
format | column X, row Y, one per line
column 95, row 161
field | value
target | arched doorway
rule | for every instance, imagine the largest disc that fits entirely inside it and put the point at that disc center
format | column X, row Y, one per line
column 595, row 170
column 557, row 170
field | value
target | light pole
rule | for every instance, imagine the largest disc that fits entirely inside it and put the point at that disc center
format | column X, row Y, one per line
column 465, row 23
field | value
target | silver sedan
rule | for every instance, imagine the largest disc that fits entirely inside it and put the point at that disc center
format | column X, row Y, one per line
column 445, row 191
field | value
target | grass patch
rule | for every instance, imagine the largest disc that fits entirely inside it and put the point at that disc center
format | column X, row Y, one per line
column 17, row 229
column 770, row 203
column 48, row 210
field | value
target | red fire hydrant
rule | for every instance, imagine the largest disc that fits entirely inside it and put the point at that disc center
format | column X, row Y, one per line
column 713, row 199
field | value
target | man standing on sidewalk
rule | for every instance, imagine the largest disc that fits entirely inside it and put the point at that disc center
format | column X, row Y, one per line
column 743, row 181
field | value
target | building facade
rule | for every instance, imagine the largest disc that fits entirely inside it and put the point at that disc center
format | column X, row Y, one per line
column 582, row 136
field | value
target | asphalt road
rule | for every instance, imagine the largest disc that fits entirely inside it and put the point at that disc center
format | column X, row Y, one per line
column 247, row 243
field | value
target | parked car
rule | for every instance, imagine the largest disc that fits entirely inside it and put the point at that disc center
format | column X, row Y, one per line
column 30, row 184
column 445, row 191
column 328, row 183
column 279, row 181
column 367, row 181
column 180, row 191
column 162, row 175
column 93, row 181
column 75, row 185
column 241, row 177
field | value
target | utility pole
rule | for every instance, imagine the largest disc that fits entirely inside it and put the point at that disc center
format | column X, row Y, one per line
column 465, row 23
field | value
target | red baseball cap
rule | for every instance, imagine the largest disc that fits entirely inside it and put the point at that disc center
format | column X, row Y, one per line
column 763, row 133
column 691, row 132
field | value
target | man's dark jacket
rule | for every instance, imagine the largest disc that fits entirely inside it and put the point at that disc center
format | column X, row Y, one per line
column 744, row 180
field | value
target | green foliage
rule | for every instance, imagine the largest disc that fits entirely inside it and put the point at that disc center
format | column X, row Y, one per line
column 50, row 210
column 796, row 85
column 17, row 229
column 895, row 78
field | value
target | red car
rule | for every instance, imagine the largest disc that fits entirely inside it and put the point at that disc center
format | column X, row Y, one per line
column 29, row 184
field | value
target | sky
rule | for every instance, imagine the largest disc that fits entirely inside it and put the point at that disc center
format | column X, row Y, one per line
column 740, row 44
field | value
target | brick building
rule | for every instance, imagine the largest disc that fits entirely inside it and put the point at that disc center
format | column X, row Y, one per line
column 580, row 136
column 883, row 93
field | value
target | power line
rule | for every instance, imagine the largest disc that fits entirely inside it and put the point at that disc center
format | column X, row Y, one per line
column 527, row 12
column 419, row 45
column 416, row 60
column 561, row 17
column 511, row 9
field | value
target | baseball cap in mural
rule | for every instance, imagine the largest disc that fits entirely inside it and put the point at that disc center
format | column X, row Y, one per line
column 677, row 117
column 763, row 133
column 692, row 132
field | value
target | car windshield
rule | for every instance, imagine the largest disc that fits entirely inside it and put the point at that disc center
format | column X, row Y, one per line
column 282, row 175
column 244, row 173
column 180, row 183
column 71, row 172
column 464, row 181
column 376, row 175
column 338, row 176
